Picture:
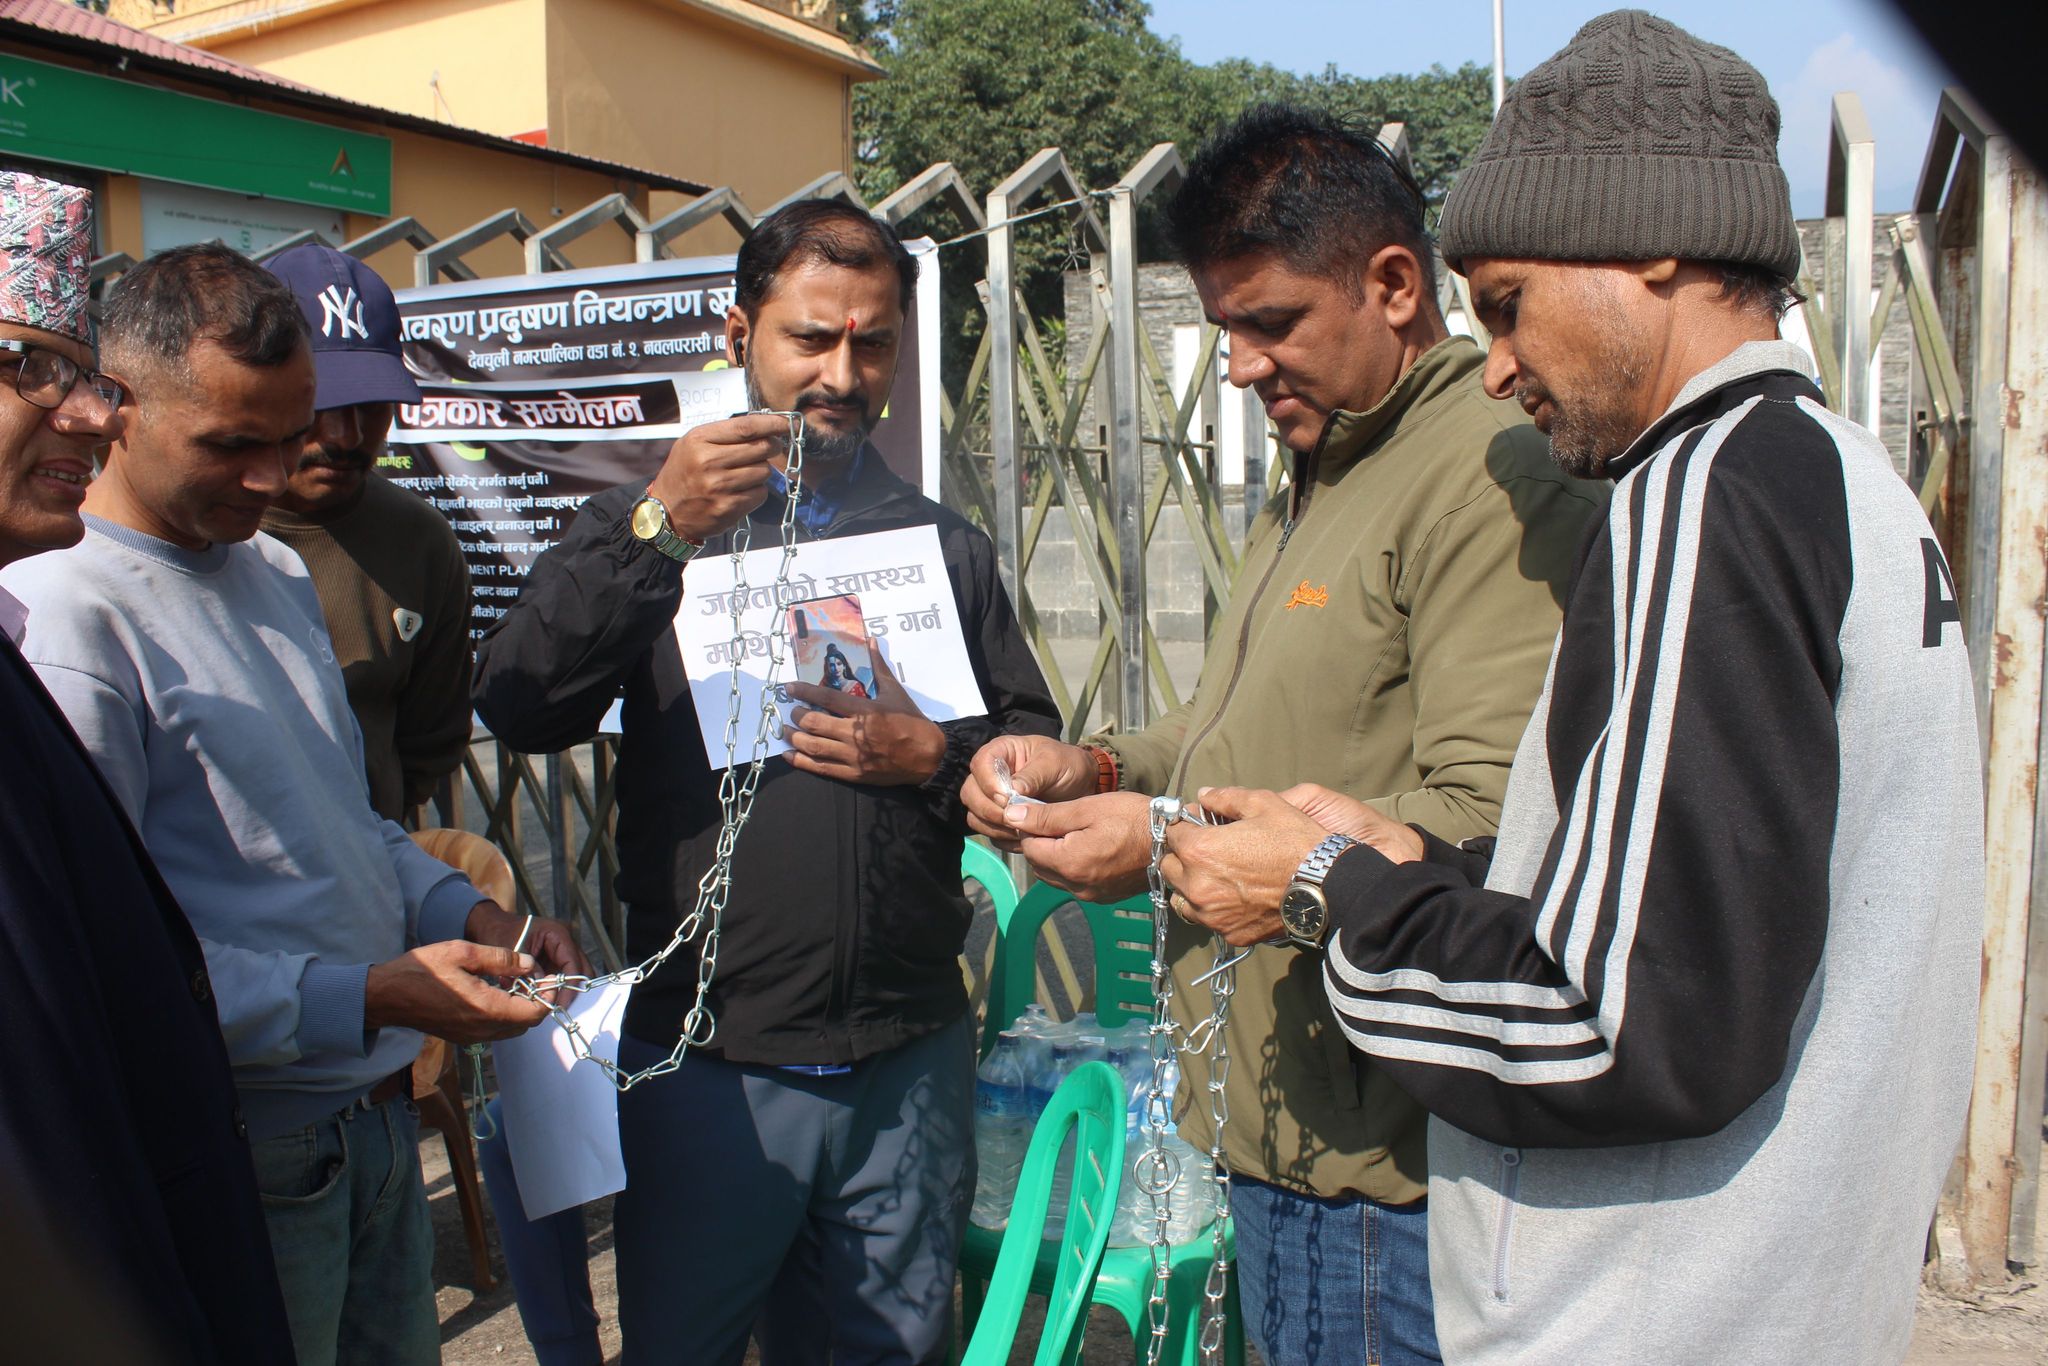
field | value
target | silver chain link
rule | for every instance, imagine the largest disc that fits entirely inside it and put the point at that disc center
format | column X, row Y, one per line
column 1156, row 1171
column 735, row 802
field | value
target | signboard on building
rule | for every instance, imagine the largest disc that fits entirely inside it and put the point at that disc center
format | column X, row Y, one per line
column 541, row 390
column 77, row 118
column 177, row 215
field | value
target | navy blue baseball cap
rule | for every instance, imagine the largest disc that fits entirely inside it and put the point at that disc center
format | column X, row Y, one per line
column 356, row 353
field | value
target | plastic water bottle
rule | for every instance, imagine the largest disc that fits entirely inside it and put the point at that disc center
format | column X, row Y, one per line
column 1002, row 1129
column 1117, row 1054
column 1194, row 1195
column 1136, row 1073
column 1192, row 1198
column 1034, row 1030
column 1132, row 1226
column 1060, row 1059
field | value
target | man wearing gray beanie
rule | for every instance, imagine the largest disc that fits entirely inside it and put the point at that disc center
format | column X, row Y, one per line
column 1696, row 1032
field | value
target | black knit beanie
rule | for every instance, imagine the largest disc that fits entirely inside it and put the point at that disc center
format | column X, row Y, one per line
column 1636, row 141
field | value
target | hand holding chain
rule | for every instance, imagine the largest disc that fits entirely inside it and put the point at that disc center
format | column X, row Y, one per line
column 1156, row 1171
column 736, row 789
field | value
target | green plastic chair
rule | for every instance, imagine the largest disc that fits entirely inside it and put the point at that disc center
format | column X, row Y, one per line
column 1090, row 1105
column 1123, row 958
column 1123, row 988
column 979, row 863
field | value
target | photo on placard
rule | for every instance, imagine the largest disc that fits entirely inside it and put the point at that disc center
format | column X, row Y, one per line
column 828, row 645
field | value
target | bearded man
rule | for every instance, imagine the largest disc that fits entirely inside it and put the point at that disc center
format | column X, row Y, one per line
column 822, row 1143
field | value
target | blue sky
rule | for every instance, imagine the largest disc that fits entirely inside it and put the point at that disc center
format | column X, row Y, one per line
column 1806, row 49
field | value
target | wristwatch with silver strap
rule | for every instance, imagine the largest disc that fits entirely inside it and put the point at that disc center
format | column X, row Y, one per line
column 1304, row 910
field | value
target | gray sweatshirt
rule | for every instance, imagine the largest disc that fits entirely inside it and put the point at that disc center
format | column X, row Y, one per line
column 204, row 685
column 1697, row 1033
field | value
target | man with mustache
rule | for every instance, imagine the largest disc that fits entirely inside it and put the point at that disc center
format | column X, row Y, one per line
column 807, row 1175
column 390, row 576
column 1387, row 633
column 1696, row 1031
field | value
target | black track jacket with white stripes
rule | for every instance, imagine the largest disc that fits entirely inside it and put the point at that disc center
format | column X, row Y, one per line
column 1675, row 807
column 1696, row 1033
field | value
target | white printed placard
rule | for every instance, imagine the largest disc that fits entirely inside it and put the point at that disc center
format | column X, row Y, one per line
column 913, row 623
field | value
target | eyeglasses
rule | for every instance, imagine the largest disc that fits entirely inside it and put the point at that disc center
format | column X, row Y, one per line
column 46, row 378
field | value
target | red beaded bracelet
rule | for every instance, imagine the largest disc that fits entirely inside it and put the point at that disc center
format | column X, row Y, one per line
column 1106, row 778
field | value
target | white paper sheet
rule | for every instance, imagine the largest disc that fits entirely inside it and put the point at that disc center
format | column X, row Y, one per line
column 900, row 578
column 562, row 1115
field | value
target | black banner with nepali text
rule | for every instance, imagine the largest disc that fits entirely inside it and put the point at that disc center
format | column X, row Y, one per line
column 538, row 391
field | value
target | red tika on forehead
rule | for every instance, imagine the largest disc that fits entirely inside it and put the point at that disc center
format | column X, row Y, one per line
column 45, row 254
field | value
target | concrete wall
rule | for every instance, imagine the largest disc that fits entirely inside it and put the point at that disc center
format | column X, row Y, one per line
column 489, row 58
column 1060, row 587
column 660, row 85
column 681, row 91
column 450, row 185
column 1065, row 596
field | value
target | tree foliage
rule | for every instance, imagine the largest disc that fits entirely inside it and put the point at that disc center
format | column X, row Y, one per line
column 1447, row 112
column 985, row 84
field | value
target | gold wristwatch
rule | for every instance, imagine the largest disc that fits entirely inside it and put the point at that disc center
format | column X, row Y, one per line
column 650, row 524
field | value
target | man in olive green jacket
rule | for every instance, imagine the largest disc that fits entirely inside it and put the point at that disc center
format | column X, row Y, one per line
column 1386, row 637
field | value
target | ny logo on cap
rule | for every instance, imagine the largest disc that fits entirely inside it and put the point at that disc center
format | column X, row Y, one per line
column 343, row 310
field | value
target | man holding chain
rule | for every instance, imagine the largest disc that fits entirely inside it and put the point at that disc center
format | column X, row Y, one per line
column 190, row 655
column 805, row 1175
column 1387, row 632
column 1697, row 1030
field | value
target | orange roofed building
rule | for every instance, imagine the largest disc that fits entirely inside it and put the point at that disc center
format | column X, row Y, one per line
column 754, row 94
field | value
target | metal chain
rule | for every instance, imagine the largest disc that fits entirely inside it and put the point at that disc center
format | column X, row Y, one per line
column 1157, row 1171
column 735, row 801
column 1222, row 984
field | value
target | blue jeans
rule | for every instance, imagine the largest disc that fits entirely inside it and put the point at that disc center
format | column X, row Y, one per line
column 823, row 1214
column 548, row 1260
column 1333, row 1282
column 352, row 1237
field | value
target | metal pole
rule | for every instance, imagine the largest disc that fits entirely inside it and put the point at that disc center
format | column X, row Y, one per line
column 1004, row 436
column 559, row 863
column 1500, row 56
column 1255, row 456
column 1851, row 193
column 2008, row 475
column 1127, row 456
